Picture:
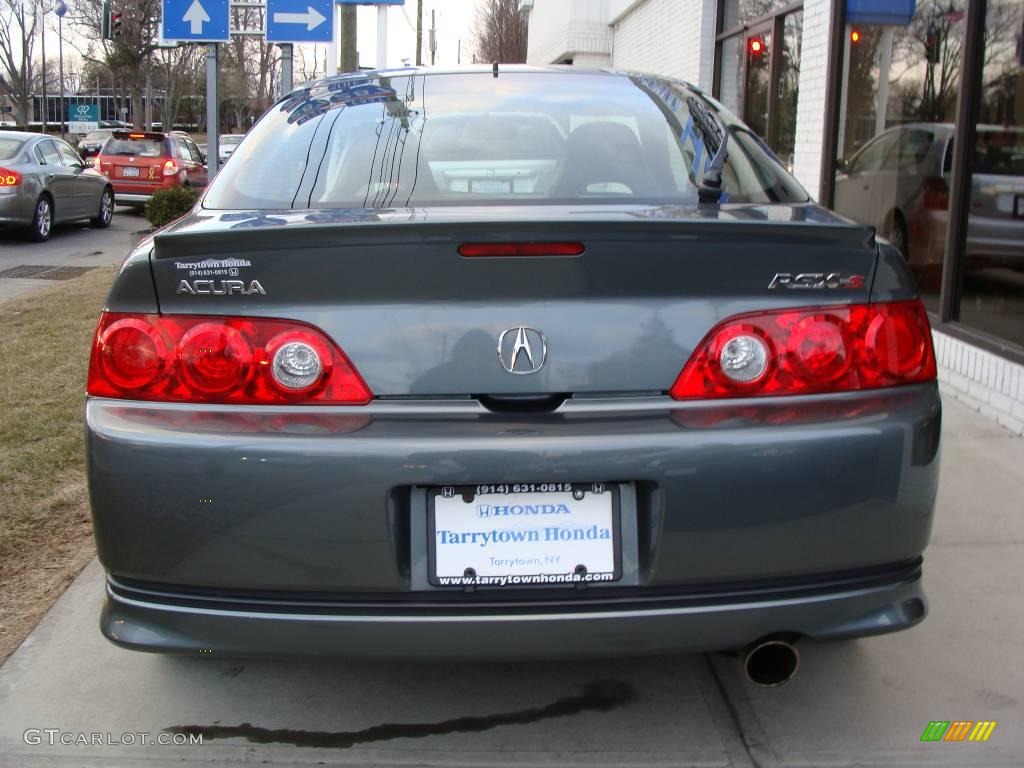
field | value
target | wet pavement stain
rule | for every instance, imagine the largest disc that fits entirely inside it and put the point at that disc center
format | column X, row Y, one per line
column 600, row 696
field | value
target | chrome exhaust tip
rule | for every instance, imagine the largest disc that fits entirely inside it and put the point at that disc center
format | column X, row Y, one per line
column 771, row 662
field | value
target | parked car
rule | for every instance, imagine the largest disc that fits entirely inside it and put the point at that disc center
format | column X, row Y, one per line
column 227, row 145
column 570, row 367
column 139, row 163
column 899, row 183
column 93, row 142
column 44, row 182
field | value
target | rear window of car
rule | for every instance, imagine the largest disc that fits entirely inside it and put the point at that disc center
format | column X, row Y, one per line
column 97, row 135
column 1000, row 153
column 997, row 153
column 134, row 147
column 9, row 148
column 473, row 139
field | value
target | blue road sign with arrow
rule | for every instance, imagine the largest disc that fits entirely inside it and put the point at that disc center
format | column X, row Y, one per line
column 299, row 21
column 196, row 20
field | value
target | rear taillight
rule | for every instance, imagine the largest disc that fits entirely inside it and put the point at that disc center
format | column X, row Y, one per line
column 521, row 249
column 9, row 178
column 935, row 195
column 811, row 351
column 219, row 360
column 170, row 168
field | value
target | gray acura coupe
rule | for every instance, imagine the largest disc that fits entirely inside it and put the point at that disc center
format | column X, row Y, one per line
column 510, row 362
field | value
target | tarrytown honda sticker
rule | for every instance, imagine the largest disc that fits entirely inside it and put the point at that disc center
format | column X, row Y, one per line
column 213, row 267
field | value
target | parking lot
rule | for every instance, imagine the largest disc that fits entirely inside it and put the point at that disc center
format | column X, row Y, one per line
column 78, row 246
column 863, row 703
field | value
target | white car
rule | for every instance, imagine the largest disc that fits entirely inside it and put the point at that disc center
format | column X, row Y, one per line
column 227, row 145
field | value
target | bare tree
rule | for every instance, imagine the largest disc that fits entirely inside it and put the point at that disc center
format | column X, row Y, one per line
column 177, row 70
column 938, row 25
column 500, row 30
column 17, row 39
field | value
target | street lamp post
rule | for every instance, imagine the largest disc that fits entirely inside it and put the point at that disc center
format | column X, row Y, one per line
column 42, row 33
column 61, row 10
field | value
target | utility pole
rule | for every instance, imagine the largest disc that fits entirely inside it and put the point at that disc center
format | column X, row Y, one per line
column 212, row 114
column 287, row 80
column 419, row 33
column 433, row 37
column 42, row 37
column 382, row 36
column 24, row 72
column 347, row 39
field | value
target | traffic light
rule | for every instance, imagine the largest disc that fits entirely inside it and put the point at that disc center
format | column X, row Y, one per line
column 106, row 28
column 854, row 36
column 933, row 45
column 111, row 22
column 755, row 46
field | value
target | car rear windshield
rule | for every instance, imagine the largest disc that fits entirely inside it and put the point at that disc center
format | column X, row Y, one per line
column 997, row 153
column 97, row 135
column 9, row 148
column 476, row 139
column 134, row 147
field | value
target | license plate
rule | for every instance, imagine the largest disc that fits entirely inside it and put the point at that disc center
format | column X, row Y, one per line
column 129, row 171
column 524, row 534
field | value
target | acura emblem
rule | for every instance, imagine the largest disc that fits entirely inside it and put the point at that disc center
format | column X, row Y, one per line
column 522, row 350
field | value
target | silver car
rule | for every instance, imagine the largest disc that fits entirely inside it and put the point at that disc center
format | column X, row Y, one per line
column 899, row 183
column 44, row 182
column 228, row 144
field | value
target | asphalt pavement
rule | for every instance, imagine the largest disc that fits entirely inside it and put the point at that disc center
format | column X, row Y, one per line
column 70, row 245
column 863, row 703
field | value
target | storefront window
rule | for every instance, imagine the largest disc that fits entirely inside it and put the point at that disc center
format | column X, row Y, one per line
column 739, row 12
column 993, row 290
column 896, row 142
column 759, row 69
column 898, row 107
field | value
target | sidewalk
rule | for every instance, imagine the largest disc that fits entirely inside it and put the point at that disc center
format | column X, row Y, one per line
column 863, row 703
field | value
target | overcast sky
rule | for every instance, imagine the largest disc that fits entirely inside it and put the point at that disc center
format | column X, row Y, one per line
column 454, row 20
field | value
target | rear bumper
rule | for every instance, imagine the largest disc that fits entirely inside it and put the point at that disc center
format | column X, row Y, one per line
column 122, row 198
column 16, row 208
column 330, row 501
column 164, row 622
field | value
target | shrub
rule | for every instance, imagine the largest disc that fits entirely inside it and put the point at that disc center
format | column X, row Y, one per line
column 169, row 204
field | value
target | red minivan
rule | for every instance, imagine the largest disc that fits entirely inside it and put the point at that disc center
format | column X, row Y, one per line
column 138, row 163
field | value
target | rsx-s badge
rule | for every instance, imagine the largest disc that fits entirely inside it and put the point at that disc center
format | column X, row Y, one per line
column 815, row 280
column 220, row 288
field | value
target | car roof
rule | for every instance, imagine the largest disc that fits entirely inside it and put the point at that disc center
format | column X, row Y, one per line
column 565, row 70
column 24, row 135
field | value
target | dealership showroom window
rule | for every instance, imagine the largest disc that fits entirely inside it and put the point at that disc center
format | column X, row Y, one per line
column 896, row 146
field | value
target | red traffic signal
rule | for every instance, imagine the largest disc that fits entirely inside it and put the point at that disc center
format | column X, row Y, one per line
column 854, row 36
column 755, row 46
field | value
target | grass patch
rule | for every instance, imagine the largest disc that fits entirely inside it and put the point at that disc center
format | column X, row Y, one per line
column 45, row 530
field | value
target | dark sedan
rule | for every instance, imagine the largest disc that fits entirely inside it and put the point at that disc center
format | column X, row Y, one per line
column 93, row 142
column 44, row 182
column 509, row 363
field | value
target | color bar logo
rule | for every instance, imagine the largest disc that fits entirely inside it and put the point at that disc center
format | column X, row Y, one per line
column 958, row 730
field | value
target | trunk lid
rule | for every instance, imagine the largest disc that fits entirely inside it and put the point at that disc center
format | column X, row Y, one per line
column 418, row 319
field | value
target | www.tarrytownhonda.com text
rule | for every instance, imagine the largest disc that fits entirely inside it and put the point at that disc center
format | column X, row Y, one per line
column 55, row 736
